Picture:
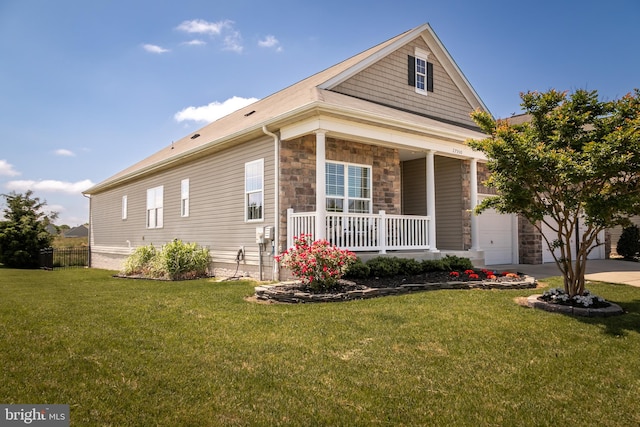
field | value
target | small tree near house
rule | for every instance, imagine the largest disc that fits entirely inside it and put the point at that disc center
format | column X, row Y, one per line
column 577, row 158
column 23, row 231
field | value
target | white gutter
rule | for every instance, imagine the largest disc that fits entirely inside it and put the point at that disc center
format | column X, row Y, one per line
column 276, row 174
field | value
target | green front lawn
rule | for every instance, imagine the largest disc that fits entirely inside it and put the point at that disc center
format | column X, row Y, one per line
column 136, row 352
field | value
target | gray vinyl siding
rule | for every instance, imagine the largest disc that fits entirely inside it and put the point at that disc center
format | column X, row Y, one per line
column 386, row 82
column 414, row 187
column 449, row 207
column 216, row 204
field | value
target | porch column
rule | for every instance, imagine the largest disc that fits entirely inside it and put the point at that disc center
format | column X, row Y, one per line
column 320, row 185
column 473, row 183
column 431, row 200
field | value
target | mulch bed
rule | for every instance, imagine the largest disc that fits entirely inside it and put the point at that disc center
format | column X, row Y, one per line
column 295, row 292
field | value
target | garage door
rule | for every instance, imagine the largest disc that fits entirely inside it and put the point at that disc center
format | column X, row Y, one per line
column 597, row 253
column 496, row 233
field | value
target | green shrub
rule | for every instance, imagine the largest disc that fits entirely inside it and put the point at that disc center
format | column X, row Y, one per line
column 384, row 266
column 629, row 242
column 358, row 270
column 175, row 261
column 429, row 265
column 410, row 266
column 392, row 266
column 454, row 263
column 138, row 261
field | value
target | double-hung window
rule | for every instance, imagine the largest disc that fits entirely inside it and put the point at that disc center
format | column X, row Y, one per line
column 348, row 187
column 420, row 72
column 184, row 197
column 254, row 190
column 155, row 200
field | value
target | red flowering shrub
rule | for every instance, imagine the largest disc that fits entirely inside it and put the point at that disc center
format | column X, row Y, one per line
column 317, row 264
column 454, row 274
column 474, row 276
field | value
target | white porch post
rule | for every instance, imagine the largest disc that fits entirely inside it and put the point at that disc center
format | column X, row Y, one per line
column 473, row 182
column 320, row 185
column 431, row 200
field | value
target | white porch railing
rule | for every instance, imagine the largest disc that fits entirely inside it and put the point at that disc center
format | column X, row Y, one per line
column 363, row 232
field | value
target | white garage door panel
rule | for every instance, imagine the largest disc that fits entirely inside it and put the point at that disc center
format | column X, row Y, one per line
column 547, row 256
column 496, row 237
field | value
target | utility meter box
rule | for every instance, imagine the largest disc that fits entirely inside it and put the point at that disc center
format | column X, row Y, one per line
column 268, row 233
column 264, row 234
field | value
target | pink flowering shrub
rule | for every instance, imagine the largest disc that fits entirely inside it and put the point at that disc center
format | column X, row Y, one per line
column 317, row 264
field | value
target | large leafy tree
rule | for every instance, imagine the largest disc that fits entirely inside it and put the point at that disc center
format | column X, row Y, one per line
column 576, row 158
column 23, row 232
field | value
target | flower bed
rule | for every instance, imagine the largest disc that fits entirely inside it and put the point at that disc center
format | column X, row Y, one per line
column 536, row 301
column 295, row 292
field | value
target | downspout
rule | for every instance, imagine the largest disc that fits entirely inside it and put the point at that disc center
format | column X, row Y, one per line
column 276, row 204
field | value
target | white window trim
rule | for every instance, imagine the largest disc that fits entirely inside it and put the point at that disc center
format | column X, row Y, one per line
column 184, row 198
column 155, row 207
column 260, row 163
column 125, row 207
column 345, row 197
column 424, row 56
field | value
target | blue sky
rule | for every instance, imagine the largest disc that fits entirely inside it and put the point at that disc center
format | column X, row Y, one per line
column 88, row 88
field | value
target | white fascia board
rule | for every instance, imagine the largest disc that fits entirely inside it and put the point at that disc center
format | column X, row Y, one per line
column 381, row 136
column 452, row 69
column 350, row 72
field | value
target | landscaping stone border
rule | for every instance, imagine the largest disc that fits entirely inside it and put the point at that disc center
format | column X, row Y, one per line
column 284, row 294
column 613, row 310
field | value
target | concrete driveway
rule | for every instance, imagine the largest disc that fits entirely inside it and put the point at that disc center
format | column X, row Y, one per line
column 604, row 270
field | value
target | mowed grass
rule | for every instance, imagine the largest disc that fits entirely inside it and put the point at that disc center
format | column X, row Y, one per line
column 138, row 353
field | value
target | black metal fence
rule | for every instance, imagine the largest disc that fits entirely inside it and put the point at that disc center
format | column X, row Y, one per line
column 53, row 258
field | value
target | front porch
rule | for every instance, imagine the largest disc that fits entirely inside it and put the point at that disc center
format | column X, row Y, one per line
column 371, row 235
column 374, row 196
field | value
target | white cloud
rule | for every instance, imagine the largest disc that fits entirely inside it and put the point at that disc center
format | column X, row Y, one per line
column 233, row 42
column 213, row 111
column 154, row 48
column 64, row 152
column 200, row 26
column 195, row 42
column 232, row 39
column 7, row 169
column 50, row 185
column 270, row 41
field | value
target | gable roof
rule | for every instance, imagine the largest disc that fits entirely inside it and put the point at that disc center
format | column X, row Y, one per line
column 79, row 231
column 303, row 97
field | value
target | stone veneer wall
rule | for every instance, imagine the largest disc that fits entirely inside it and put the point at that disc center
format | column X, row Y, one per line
column 483, row 175
column 466, row 204
column 385, row 170
column 529, row 242
column 298, row 174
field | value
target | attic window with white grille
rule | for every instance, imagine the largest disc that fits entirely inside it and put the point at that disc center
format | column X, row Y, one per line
column 420, row 72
